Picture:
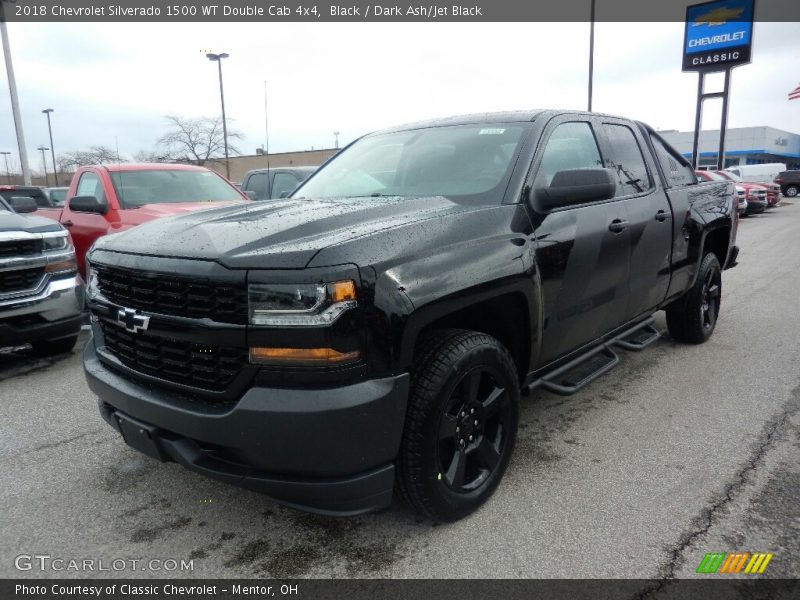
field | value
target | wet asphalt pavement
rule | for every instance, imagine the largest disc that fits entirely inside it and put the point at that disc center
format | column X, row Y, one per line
column 679, row 451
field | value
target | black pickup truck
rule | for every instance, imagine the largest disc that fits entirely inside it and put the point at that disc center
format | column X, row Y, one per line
column 374, row 331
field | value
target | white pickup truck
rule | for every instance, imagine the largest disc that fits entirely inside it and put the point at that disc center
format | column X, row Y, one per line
column 41, row 293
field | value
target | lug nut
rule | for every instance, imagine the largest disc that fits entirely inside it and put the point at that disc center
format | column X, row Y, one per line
column 461, row 442
column 475, row 422
column 458, row 429
column 470, row 438
column 471, row 410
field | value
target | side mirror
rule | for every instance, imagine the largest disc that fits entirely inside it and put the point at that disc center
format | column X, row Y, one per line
column 251, row 194
column 576, row 186
column 285, row 194
column 23, row 204
column 88, row 204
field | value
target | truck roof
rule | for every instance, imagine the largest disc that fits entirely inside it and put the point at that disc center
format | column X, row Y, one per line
column 491, row 117
column 148, row 167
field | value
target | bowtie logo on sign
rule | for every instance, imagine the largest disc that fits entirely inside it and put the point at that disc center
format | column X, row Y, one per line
column 718, row 35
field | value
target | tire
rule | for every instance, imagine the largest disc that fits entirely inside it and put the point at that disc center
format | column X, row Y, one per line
column 791, row 191
column 461, row 424
column 693, row 318
column 54, row 347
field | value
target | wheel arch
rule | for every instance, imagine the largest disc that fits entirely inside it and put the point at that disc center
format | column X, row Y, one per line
column 510, row 314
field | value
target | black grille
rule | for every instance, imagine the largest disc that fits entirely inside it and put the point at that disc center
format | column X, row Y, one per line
column 205, row 367
column 20, row 248
column 166, row 294
column 21, row 280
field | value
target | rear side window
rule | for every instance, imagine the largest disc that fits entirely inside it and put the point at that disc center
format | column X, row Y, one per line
column 259, row 184
column 676, row 169
column 89, row 185
column 626, row 160
column 571, row 146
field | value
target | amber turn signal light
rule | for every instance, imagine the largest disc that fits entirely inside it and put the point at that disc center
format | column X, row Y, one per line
column 63, row 265
column 301, row 356
column 342, row 291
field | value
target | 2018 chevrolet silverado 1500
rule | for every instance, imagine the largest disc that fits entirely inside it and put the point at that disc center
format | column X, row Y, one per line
column 373, row 332
column 41, row 293
column 105, row 199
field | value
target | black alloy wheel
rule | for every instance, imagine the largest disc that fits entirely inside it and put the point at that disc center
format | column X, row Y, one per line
column 693, row 317
column 709, row 307
column 473, row 431
column 461, row 423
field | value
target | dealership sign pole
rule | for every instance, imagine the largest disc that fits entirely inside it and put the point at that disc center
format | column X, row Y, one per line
column 718, row 37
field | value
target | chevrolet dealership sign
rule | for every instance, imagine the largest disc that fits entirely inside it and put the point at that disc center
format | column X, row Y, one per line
column 718, row 35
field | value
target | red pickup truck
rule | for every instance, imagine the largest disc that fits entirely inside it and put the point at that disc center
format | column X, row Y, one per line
column 112, row 198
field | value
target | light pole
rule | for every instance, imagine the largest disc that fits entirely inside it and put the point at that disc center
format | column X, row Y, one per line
column 8, row 172
column 591, row 57
column 12, row 89
column 218, row 59
column 44, row 149
column 336, row 136
column 47, row 111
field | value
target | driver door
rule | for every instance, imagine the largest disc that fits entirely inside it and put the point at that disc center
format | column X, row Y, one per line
column 582, row 250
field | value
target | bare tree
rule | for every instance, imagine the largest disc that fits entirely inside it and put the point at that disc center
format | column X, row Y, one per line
column 96, row 155
column 152, row 156
column 196, row 140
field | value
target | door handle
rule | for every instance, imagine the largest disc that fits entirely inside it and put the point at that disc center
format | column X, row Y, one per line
column 618, row 225
column 67, row 223
column 662, row 216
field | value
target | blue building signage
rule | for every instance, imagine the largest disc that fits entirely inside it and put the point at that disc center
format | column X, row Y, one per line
column 718, row 35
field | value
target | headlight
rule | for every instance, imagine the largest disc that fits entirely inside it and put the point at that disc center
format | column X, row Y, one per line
column 91, row 276
column 304, row 305
column 59, row 242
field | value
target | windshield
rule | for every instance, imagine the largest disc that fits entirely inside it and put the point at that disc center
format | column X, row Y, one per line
column 729, row 176
column 462, row 161
column 137, row 188
column 31, row 192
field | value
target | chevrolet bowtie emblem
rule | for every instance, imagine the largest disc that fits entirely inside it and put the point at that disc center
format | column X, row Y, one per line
column 132, row 320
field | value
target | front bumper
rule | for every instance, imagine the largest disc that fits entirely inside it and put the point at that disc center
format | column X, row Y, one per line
column 756, row 207
column 733, row 255
column 329, row 451
column 53, row 313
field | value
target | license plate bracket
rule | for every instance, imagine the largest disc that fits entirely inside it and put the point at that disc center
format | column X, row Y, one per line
column 140, row 436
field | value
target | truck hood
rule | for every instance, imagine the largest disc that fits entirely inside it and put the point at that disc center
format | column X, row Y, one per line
column 148, row 212
column 10, row 221
column 751, row 186
column 283, row 234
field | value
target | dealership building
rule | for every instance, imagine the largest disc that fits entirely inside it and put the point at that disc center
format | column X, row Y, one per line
column 743, row 146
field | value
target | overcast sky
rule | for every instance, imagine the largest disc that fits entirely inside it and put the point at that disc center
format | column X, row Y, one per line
column 108, row 81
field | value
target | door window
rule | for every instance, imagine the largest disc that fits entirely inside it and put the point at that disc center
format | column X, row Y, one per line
column 90, row 185
column 259, row 183
column 571, row 146
column 676, row 169
column 283, row 184
column 627, row 161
